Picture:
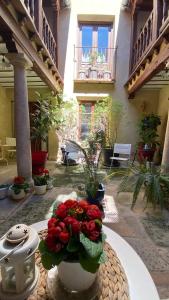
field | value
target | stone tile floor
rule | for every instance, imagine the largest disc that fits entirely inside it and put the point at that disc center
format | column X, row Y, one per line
column 143, row 230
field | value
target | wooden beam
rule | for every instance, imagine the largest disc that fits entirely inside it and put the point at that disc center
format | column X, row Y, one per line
column 156, row 65
column 28, row 48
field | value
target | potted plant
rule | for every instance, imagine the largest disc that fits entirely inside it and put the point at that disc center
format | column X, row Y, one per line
column 3, row 191
column 107, row 115
column 93, row 69
column 148, row 137
column 74, row 243
column 49, row 179
column 150, row 180
column 47, row 115
column 19, row 188
column 94, row 188
column 40, row 184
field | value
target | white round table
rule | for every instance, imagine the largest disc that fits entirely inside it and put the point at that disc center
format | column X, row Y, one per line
column 141, row 285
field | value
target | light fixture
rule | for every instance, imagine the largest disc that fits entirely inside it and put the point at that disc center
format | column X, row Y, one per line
column 18, row 272
column 4, row 64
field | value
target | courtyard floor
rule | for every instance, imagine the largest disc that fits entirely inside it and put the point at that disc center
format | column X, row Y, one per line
column 145, row 231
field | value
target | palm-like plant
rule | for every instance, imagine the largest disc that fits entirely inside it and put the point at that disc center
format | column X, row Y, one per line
column 153, row 183
column 90, row 170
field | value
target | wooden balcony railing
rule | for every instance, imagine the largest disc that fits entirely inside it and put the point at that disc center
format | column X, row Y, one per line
column 38, row 17
column 144, row 40
column 48, row 37
column 92, row 63
column 30, row 5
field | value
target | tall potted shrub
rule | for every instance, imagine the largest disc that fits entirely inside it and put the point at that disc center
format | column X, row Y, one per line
column 47, row 115
column 148, row 137
column 108, row 113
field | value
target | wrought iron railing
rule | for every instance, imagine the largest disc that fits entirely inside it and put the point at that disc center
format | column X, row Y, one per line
column 93, row 63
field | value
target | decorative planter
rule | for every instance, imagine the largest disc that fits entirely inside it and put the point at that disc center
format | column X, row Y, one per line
column 40, row 189
column 99, row 195
column 145, row 153
column 3, row 191
column 74, row 277
column 82, row 74
column 38, row 161
column 107, row 75
column 18, row 196
column 93, row 73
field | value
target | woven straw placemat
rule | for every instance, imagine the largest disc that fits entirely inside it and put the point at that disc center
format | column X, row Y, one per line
column 111, row 280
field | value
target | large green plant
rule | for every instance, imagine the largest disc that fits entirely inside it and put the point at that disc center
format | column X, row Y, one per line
column 107, row 116
column 149, row 180
column 148, row 129
column 47, row 115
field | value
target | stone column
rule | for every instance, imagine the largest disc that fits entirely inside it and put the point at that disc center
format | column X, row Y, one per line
column 21, row 116
column 165, row 157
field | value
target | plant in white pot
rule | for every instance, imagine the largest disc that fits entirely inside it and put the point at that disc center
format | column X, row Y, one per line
column 40, row 184
column 19, row 188
column 74, row 243
column 49, row 179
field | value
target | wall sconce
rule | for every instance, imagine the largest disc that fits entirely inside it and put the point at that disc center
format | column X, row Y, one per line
column 19, row 275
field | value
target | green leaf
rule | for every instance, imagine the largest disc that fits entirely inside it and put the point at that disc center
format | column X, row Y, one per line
column 73, row 245
column 42, row 247
column 102, row 258
column 49, row 259
column 88, row 264
column 104, row 236
column 93, row 249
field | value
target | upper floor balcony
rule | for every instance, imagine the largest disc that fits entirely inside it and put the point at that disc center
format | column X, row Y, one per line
column 147, row 34
column 37, row 14
column 93, row 64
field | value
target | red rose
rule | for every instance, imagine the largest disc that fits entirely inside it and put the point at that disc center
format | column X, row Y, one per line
column 83, row 204
column 68, row 220
column 19, row 180
column 62, row 225
column 93, row 212
column 75, row 225
column 50, row 242
column 52, row 222
column 84, row 227
column 45, row 171
column 61, row 211
column 64, row 237
column 54, row 231
column 91, row 225
column 70, row 203
column 58, row 247
column 94, row 235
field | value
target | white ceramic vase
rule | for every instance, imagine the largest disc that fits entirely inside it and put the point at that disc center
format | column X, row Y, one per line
column 40, row 189
column 74, row 277
column 18, row 196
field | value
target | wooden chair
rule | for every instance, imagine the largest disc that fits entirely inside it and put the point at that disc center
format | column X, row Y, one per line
column 123, row 151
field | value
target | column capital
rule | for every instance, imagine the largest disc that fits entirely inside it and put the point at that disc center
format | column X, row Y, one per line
column 19, row 59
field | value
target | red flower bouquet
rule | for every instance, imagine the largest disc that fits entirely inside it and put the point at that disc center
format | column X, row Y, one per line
column 74, row 234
